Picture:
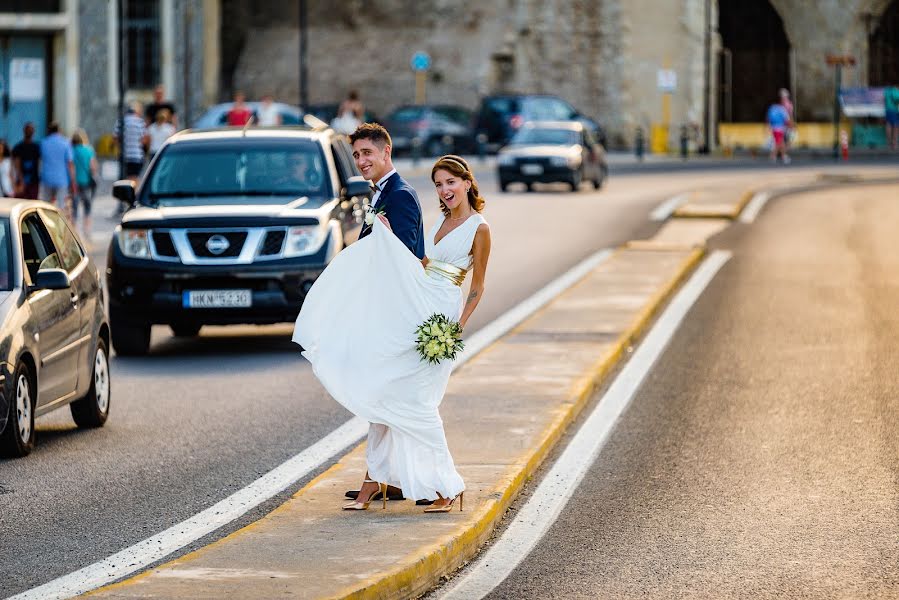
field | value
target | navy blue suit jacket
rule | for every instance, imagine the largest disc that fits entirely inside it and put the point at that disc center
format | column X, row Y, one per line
column 402, row 208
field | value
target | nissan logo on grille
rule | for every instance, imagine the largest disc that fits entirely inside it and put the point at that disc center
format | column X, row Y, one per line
column 216, row 244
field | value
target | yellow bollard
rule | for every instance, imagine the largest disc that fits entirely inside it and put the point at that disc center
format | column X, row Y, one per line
column 658, row 141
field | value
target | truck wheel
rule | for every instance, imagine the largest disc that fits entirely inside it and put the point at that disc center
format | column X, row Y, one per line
column 130, row 338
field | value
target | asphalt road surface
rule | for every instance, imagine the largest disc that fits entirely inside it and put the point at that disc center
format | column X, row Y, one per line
column 760, row 458
column 200, row 418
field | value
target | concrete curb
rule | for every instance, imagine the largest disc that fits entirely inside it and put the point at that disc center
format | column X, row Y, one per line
column 447, row 557
column 697, row 211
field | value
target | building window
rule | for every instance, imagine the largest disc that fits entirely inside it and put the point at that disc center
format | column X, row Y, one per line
column 142, row 43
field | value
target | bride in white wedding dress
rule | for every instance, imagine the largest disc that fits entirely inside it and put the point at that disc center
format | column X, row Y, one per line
column 372, row 366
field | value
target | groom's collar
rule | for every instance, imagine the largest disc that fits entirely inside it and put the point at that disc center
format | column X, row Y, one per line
column 383, row 180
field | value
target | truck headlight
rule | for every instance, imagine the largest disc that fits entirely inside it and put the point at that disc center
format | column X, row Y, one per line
column 135, row 243
column 506, row 160
column 304, row 240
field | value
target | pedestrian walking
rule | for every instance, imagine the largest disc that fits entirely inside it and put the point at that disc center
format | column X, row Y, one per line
column 26, row 157
column 240, row 113
column 349, row 114
column 132, row 138
column 891, row 114
column 268, row 112
column 6, row 171
column 778, row 122
column 86, row 169
column 160, row 131
column 160, row 103
column 57, row 170
column 787, row 103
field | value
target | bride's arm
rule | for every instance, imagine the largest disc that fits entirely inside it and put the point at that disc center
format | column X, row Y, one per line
column 480, row 251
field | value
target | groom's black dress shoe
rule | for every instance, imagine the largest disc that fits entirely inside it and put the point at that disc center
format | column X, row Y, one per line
column 392, row 494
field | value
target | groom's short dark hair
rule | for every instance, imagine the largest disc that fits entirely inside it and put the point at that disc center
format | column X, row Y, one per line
column 374, row 132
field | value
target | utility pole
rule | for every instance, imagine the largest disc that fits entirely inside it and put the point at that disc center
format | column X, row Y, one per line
column 304, row 80
column 123, row 72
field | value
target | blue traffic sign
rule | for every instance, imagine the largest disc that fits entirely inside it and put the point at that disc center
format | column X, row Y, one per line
column 421, row 61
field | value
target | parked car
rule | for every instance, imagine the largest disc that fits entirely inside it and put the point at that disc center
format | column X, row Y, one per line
column 230, row 226
column 499, row 117
column 54, row 337
column 439, row 128
column 217, row 116
column 552, row 151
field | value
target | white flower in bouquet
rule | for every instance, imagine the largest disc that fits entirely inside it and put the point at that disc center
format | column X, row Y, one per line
column 371, row 213
column 438, row 339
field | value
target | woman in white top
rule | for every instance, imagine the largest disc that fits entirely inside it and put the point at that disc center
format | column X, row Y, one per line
column 267, row 113
column 160, row 131
column 6, row 187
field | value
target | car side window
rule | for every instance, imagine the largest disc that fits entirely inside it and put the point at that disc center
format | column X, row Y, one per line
column 67, row 247
column 37, row 249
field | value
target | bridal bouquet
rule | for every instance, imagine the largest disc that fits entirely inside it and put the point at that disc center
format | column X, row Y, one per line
column 438, row 338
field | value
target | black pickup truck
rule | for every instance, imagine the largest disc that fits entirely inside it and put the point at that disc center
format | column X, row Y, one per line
column 229, row 226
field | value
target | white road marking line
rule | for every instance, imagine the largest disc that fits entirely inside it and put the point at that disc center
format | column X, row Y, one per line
column 664, row 210
column 157, row 547
column 549, row 499
column 754, row 207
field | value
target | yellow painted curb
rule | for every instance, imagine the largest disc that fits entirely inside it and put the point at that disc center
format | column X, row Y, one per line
column 444, row 558
column 690, row 211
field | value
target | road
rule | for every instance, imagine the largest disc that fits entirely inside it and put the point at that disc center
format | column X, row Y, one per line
column 760, row 458
column 198, row 419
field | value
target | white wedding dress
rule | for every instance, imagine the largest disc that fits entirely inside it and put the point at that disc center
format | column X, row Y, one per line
column 370, row 364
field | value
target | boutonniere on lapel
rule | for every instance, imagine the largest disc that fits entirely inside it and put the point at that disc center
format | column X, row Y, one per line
column 371, row 213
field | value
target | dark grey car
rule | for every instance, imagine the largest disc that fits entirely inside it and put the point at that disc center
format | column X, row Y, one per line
column 552, row 151
column 54, row 336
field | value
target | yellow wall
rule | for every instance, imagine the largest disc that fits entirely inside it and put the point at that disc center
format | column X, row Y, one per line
column 755, row 135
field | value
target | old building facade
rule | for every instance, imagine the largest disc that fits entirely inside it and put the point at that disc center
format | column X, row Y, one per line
column 725, row 58
column 60, row 60
column 629, row 64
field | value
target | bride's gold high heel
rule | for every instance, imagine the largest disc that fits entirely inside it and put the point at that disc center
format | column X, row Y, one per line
column 357, row 505
column 445, row 508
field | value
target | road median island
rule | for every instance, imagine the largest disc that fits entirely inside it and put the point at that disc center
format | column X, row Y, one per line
column 504, row 411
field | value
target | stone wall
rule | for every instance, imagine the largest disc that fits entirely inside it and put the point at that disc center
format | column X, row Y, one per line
column 601, row 55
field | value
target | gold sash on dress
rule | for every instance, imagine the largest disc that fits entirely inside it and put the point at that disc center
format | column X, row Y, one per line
column 448, row 270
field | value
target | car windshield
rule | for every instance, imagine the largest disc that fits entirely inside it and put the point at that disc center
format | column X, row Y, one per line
column 550, row 137
column 240, row 173
column 6, row 278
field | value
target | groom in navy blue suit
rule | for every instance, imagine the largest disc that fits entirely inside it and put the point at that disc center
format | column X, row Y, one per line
column 393, row 196
column 398, row 202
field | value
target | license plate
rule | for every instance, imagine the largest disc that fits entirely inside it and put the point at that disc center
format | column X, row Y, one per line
column 532, row 169
column 217, row 298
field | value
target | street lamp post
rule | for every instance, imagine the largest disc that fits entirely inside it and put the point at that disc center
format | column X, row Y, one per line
column 122, row 75
column 304, row 91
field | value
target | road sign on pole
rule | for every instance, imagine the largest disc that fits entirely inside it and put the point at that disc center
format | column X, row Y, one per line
column 421, row 62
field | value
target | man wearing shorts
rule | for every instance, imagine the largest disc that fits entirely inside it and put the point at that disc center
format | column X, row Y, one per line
column 779, row 121
column 57, row 170
column 891, row 112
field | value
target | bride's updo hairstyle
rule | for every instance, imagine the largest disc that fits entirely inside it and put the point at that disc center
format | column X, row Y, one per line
column 459, row 167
